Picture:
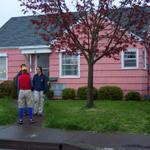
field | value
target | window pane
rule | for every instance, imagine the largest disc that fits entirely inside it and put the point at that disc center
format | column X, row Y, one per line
column 69, row 70
column 70, row 60
column 3, row 68
column 43, row 61
column 69, row 65
column 45, row 71
column 130, row 63
column 130, row 55
column 130, row 59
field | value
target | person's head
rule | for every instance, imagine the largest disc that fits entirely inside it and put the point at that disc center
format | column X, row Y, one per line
column 39, row 69
column 24, row 69
column 22, row 65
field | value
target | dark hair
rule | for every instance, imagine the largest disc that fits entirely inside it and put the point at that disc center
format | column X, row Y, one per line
column 22, row 65
column 40, row 68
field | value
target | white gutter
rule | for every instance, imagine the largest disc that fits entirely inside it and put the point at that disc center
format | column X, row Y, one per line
column 32, row 49
column 9, row 47
column 35, row 49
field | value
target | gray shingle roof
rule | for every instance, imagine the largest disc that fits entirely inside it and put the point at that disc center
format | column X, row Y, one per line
column 19, row 31
column 142, row 32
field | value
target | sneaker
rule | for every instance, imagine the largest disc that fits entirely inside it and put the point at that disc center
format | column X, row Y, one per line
column 40, row 115
column 32, row 121
column 20, row 122
column 35, row 114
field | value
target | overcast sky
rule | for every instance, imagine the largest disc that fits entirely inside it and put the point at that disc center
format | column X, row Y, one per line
column 10, row 8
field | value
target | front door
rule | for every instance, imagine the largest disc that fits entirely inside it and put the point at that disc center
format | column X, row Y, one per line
column 43, row 61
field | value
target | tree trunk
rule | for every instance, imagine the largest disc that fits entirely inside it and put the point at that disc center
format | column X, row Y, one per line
column 90, row 102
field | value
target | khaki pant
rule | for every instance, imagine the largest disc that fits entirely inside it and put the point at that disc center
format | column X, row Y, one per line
column 25, row 96
column 38, row 102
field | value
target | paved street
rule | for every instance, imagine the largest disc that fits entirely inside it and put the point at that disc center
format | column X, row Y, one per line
column 36, row 137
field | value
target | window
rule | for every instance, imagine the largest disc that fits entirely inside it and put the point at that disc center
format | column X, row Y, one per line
column 144, row 55
column 57, row 88
column 3, row 68
column 69, row 65
column 130, row 59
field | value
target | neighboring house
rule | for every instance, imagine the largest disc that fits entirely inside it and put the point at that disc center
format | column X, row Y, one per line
column 19, row 44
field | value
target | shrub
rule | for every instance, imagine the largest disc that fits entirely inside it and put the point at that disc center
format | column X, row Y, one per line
column 133, row 95
column 49, row 94
column 68, row 93
column 82, row 93
column 14, row 93
column 110, row 93
column 7, row 88
column 3, row 94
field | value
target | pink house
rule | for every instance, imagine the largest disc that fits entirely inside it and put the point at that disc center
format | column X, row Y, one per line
column 19, row 44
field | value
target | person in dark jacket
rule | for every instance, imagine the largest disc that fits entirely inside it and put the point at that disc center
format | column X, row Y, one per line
column 40, row 87
column 25, row 95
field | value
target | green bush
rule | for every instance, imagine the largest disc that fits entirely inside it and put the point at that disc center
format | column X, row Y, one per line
column 8, row 88
column 49, row 94
column 82, row 93
column 110, row 93
column 68, row 93
column 14, row 93
column 3, row 94
column 133, row 95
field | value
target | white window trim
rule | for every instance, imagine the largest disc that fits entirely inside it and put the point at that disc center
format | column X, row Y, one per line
column 137, row 56
column 60, row 68
column 5, row 55
column 35, row 64
column 145, row 61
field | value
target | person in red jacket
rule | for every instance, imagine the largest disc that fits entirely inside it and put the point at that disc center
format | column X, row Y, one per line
column 25, row 95
column 16, row 84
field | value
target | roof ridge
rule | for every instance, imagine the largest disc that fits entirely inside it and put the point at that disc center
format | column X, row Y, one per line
column 24, row 16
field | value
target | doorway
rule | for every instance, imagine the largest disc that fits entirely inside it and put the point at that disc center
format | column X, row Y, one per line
column 43, row 61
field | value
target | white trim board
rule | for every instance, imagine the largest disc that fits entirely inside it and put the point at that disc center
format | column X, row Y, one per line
column 3, row 54
column 35, row 49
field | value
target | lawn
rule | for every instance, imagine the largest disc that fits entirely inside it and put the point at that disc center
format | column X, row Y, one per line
column 105, row 117
column 8, row 111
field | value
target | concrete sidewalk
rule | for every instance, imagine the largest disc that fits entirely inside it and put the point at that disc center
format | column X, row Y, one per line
column 33, row 137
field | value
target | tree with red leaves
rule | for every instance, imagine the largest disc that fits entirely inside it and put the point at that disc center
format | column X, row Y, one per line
column 97, row 28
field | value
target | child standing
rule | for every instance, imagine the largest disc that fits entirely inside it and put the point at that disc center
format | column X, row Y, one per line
column 16, row 83
column 25, row 95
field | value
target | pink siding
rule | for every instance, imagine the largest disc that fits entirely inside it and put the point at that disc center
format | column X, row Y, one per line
column 107, row 71
column 15, row 59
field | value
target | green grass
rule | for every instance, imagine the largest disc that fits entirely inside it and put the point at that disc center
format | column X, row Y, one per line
column 105, row 117
column 8, row 111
